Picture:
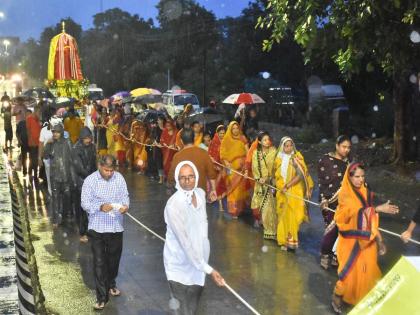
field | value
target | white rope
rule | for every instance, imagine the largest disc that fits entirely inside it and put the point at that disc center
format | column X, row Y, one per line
column 253, row 310
column 145, row 227
column 329, row 209
column 251, row 178
column 312, row 202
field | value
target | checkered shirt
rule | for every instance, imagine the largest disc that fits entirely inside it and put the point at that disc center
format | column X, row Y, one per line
column 97, row 191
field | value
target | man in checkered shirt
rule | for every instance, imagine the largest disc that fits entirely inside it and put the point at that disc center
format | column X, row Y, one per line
column 105, row 199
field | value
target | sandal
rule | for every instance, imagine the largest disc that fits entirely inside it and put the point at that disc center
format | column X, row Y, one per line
column 99, row 306
column 337, row 304
column 334, row 261
column 114, row 292
column 325, row 261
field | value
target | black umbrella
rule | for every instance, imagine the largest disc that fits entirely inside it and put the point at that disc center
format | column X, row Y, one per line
column 150, row 115
column 28, row 101
column 210, row 121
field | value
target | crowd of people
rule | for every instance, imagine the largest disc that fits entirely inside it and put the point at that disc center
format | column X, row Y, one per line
column 237, row 170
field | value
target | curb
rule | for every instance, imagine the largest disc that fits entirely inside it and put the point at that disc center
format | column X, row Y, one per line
column 31, row 298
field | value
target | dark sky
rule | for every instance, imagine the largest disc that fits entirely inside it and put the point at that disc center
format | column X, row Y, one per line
column 27, row 18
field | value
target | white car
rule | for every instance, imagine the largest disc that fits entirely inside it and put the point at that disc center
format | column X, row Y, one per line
column 95, row 93
column 174, row 101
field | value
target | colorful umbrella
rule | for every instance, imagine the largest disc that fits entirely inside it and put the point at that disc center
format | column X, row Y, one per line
column 244, row 98
column 147, row 99
column 144, row 91
column 119, row 96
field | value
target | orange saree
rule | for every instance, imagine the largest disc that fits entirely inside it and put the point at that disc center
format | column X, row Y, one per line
column 357, row 251
column 233, row 150
column 214, row 152
column 141, row 136
column 168, row 140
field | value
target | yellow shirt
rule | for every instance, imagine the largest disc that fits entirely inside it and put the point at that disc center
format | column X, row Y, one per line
column 73, row 125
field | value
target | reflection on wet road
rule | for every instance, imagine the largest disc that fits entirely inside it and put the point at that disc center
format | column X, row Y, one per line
column 273, row 281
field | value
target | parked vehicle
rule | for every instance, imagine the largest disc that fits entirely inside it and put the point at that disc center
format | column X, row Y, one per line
column 327, row 107
column 95, row 93
column 283, row 106
column 175, row 101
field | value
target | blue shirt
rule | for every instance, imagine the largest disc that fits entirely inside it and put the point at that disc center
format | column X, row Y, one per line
column 97, row 191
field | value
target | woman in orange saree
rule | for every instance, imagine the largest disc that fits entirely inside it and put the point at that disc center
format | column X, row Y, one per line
column 214, row 152
column 167, row 141
column 178, row 142
column 359, row 238
column 140, row 134
column 233, row 151
column 198, row 133
column 119, row 141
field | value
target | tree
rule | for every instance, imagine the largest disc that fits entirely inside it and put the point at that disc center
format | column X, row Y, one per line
column 362, row 35
column 189, row 33
column 115, row 50
column 240, row 51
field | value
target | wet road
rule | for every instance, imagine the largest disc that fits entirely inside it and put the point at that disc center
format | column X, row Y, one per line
column 273, row 281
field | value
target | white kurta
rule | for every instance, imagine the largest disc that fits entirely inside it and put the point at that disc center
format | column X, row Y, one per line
column 187, row 247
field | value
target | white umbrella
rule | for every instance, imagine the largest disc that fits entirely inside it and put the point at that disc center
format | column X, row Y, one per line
column 244, row 98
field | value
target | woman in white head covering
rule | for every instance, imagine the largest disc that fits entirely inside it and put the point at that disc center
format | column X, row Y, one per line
column 293, row 179
column 187, row 247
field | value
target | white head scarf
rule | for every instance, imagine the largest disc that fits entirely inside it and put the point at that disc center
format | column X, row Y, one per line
column 188, row 193
column 285, row 158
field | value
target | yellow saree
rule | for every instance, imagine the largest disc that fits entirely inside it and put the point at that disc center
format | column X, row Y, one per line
column 291, row 211
column 263, row 199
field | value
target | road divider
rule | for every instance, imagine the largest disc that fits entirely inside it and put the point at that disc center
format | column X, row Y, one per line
column 31, row 298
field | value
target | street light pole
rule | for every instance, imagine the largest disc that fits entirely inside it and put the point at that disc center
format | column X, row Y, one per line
column 6, row 44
